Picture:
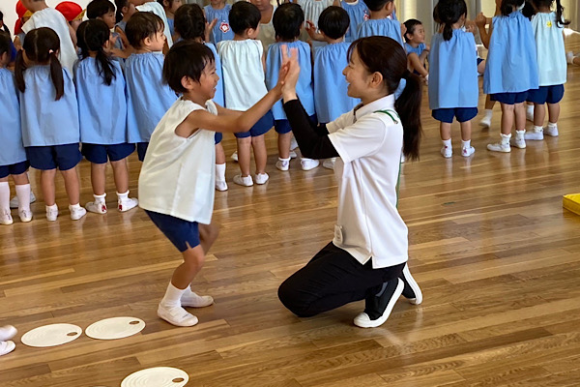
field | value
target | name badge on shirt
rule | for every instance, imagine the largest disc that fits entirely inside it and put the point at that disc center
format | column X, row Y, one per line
column 338, row 234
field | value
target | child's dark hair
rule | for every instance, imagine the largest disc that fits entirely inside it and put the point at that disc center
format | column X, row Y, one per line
column 5, row 43
column 189, row 22
column 509, row 6
column 387, row 57
column 163, row 5
column 99, row 8
column 92, row 36
column 244, row 15
column 142, row 25
column 334, row 22
column 532, row 10
column 377, row 5
column 288, row 19
column 410, row 25
column 185, row 59
column 120, row 4
column 41, row 45
column 448, row 12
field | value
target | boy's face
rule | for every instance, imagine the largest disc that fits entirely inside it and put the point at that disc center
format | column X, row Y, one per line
column 208, row 81
column 156, row 42
column 418, row 35
column 109, row 19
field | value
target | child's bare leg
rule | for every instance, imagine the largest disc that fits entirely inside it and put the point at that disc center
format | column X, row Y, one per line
column 284, row 145
column 260, row 153
column 507, row 118
column 244, row 155
column 417, row 65
column 466, row 131
column 47, row 186
column 98, row 172
column 121, row 175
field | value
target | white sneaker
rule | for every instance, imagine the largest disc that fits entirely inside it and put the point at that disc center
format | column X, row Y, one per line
column 293, row 143
column 551, row 131
column 329, row 163
column 25, row 215
column 499, row 147
column 308, row 164
column 446, row 152
column 76, row 213
column 192, row 300
column 293, row 155
column 125, row 205
column 6, row 217
column 97, row 207
column 518, row 141
column 6, row 347
column 234, row 156
column 7, row 332
column 221, row 185
column 282, row 164
column 381, row 305
column 51, row 213
column 534, row 136
column 14, row 201
column 176, row 316
column 485, row 121
column 243, row 181
column 466, row 152
column 411, row 291
column 261, row 178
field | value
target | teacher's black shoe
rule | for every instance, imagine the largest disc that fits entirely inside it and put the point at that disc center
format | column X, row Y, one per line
column 412, row 291
column 378, row 307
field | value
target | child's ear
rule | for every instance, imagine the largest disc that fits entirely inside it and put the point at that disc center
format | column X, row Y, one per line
column 390, row 6
column 188, row 83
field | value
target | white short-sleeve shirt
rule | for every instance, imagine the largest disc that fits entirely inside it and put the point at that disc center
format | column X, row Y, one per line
column 54, row 20
column 369, row 142
column 244, row 78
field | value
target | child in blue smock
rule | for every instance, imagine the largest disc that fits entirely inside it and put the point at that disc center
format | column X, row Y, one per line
column 330, row 86
column 288, row 20
column 148, row 97
column 453, row 84
column 190, row 25
column 105, row 10
column 417, row 50
column 125, row 9
column 170, row 7
column 103, row 126
column 358, row 12
column 219, row 11
column 49, row 118
column 548, row 29
column 511, row 71
column 379, row 23
column 13, row 161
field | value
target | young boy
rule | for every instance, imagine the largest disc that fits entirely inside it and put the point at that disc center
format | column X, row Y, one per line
column 243, row 69
column 43, row 16
column 176, row 185
column 380, row 22
column 72, row 12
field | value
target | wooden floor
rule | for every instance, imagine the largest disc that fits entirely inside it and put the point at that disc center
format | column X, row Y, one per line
column 497, row 257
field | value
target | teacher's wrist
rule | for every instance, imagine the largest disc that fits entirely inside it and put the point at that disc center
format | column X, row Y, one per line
column 289, row 95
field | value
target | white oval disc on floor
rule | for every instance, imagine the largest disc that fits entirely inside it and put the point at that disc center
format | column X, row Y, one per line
column 115, row 328
column 157, row 377
column 51, row 335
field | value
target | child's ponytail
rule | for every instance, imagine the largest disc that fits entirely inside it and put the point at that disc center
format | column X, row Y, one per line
column 56, row 75
column 19, row 68
column 447, row 13
column 92, row 35
column 560, row 21
column 384, row 55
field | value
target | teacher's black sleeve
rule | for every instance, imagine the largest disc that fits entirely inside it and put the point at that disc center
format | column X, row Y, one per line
column 312, row 139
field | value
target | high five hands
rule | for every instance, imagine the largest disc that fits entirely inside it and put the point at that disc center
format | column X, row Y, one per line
column 289, row 73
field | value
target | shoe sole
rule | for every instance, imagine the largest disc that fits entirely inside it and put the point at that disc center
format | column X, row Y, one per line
column 418, row 300
column 381, row 320
column 178, row 325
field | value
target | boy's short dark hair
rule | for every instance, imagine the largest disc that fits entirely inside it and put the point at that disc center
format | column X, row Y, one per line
column 5, row 41
column 142, row 25
column 376, row 5
column 288, row 19
column 411, row 24
column 189, row 22
column 99, row 8
column 185, row 59
column 244, row 15
column 334, row 22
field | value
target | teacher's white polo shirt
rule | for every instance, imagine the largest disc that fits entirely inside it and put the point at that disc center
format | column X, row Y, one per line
column 369, row 142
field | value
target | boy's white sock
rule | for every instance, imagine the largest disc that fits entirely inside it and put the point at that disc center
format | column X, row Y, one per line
column 447, row 143
column 173, row 296
column 220, row 172
column 538, row 129
column 122, row 196
column 488, row 112
column 100, row 198
column 23, row 194
column 552, row 125
column 4, row 196
column 466, row 144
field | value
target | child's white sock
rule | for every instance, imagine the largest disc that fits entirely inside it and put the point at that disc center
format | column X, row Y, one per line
column 220, row 172
column 447, row 143
column 552, row 125
column 466, row 144
column 100, row 199
column 170, row 308
column 530, row 109
column 23, row 194
column 505, row 138
column 489, row 113
column 122, row 196
column 172, row 296
column 4, row 196
column 538, row 129
column 75, row 206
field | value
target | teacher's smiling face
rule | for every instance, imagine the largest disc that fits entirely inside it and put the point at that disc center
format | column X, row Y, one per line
column 357, row 76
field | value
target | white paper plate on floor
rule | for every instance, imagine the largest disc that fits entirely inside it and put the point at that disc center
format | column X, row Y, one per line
column 156, row 377
column 115, row 328
column 51, row 335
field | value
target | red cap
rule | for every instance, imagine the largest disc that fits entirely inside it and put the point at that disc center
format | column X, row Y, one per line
column 20, row 9
column 71, row 11
column 18, row 26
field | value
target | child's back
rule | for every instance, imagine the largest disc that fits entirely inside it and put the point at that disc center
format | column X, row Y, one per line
column 12, row 150
column 54, row 20
column 551, row 52
column 380, row 27
column 358, row 12
column 512, row 62
column 148, row 98
column 330, row 86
